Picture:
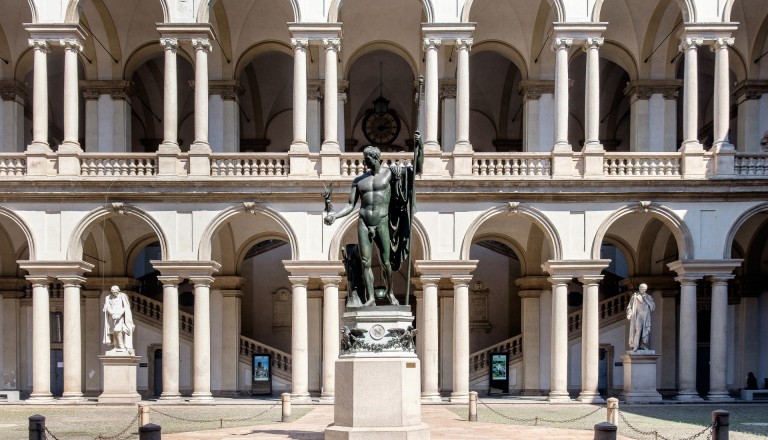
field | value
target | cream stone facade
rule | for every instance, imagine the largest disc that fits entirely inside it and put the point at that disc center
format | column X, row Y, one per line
column 573, row 150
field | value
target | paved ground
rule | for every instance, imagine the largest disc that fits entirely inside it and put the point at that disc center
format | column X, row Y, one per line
column 499, row 419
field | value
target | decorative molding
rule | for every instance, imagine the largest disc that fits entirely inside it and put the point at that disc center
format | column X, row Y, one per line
column 71, row 44
column 333, row 44
column 431, row 43
column 168, row 43
column 561, row 43
column 464, row 44
column 299, row 43
column 11, row 90
column 447, row 88
column 533, row 89
column 202, row 44
column 687, row 43
column 644, row 89
column 593, row 43
column 39, row 44
column 116, row 89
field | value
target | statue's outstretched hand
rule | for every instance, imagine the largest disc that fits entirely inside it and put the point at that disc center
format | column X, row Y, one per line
column 330, row 218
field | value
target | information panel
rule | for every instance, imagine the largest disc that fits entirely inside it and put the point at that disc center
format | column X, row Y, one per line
column 499, row 381
column 262, row 374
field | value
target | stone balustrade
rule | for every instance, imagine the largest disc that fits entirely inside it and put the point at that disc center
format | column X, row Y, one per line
column 281, row 361
column 510, row 165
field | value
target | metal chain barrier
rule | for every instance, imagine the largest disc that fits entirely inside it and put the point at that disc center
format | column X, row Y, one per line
column 536, row 420
column 221, row 420
column 47, row 433
column 658, row 436
column 102, row 437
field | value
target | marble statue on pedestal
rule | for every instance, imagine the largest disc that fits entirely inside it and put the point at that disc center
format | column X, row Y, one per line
column 639, row 311
column 118, row 323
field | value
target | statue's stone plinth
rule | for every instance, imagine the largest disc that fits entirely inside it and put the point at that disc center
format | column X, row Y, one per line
column 640, row 377
column 378, row 384
column 119, row 374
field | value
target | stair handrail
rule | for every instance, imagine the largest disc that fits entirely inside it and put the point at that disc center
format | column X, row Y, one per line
column 282, row 362
column 145, row 306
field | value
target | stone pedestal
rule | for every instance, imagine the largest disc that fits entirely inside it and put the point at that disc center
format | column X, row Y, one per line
column 119, row 373
column 640, row 377
column 378, row 379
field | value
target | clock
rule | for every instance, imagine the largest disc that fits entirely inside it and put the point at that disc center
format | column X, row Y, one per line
column 381, row 128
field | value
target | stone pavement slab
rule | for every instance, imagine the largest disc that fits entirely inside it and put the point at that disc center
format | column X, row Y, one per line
column 444, row 424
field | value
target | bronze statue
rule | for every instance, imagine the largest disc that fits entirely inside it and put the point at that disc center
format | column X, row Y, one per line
column 386, row 205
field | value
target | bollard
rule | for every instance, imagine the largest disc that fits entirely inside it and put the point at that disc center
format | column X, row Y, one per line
column 605, row 431
column 612, row 406
column 720, row 423
column 36, row 427
column 286, row 407
column 150, row 431
column 143, row 414
column 473, row 406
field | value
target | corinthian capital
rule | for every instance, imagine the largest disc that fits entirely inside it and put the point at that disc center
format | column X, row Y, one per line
column 202, row 44
column 690, row 43
column 169, row 43
column 333, row 44
column 593, row 43
column 721, row 43
column 71, row 44
column 431, row 43
column 464, row 43
column 561, row 43
column 39, row 44
column 299, row 43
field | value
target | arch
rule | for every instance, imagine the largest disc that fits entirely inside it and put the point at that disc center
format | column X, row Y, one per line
column 146, row 52
column 726, row 17
column 557, row 5
column 260, row 48
column 688, row 10
column 533, row 214
column 75, row 247
column 625, row 249
column 33, row 9
column 509, row 242
column 667, row 216
column 743, row 218
column 621, row 56
column 385, row 46
column 417, row 229
column 204, row 252
column 12, row 216
column 335, row 8
column 72, row 14
column 241, row 252
column 506, row 50
column 133, row 250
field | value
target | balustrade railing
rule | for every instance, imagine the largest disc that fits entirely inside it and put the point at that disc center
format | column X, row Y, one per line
column 352, row 164
column 153, row 311
column 281, row 361
column 14, row 164
column 249, row 164
column 751, row 165
column 511, row 164
column 481, row 360
column 642, row 164
column 118, row 164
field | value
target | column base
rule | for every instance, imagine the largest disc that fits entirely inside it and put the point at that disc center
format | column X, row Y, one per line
column 459, row 397
column 688, row 397
column 558, row 396
column 300, row 398
column 590, row 397
column 72, row 397
column 201, row 398
column 40, row 398
column 720, row 396
column 170, row 397
column 431, row 398
column 327, row 398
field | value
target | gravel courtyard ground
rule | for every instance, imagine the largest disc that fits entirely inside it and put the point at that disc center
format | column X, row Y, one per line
column 529, row 419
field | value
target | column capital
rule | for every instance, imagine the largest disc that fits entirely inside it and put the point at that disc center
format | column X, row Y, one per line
column 533, row 89
column 227, row 89
column 71, row 44
column 300, row 43
column 429, row 280
column 721, row 278
column 202, row 44
column 116, row 89
column 331, row 280
column 40, row 44
column 461, row 280
column 333, row 44
column 74, row 281
column 38, row 280
column 590, row 279
column 314, row 90
column 593, row 43
column 561, row 43
column 749, row 89
column 464, row 43
column 169, row 43
column 535, row 294
column 168, row 280
column 645, row 88
column 560, row 280
column 721, row 43
column 298, row 280
column 202, row 280
column 431, row 43
column 688, row 279
column 687, row 43
column 447, row 88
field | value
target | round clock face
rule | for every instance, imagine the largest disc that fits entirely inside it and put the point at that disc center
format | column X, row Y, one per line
column 381, row 129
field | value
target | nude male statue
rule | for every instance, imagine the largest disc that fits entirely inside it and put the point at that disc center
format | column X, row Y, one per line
column 377, row 223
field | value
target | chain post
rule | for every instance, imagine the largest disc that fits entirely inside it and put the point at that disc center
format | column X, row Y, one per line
column 720, row 424
column 612, row 407
column 286, row 407
column 143, row 414
column 150, row 431
column 36, row 427
column 605, row 431
column 473, row 406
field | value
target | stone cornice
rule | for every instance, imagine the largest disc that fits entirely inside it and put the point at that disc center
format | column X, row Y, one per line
column 55, row 268
column 315, row 32
column 533, row 283
column 704, row 268
column 186, row 268
column 445, row 268
column 575, row 268
column 707, row 32
column 533, row 89
column 579, row 31
column 12, row 90
column 749, row 89
column 314, row 268
column 117, row 89
column 55, row 31
column 644, row 88
column 448, row 32
column 185, row 31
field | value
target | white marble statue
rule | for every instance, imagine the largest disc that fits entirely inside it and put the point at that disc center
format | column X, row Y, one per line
column 118, row 322
column 639, row 311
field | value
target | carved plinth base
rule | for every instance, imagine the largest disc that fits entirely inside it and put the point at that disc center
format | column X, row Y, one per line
column 640, row 377
column 378, row 383
column 119, row 374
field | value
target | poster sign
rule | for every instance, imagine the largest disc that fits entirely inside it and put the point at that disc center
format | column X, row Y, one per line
column 499, row 373
column 262, row 374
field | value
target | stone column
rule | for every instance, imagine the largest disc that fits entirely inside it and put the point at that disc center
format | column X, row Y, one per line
column 462, row 94
column 40, row 98
column 200, row 150
column 331, row 335
column 170, row 98
column 224, row 110
column 41, row 339
column 762, row 336
column 73, row 340
column 530, row 316
column 448, row 114
column 750, row 126
column 71, row 112
column 561, row 46
column 593, row 149
column 722, row 95
column 718, row 339
column 689, row 46
column 300, row 47
column 538, row 106
column 330, row 105
column 13, row 94
column 666, row 317
column 217, row 339
column 460, row 391
column 230, row 346
column 430, row 390
column 202, row 344
column 688, row 342
column 545, row 340
column 299, row 340
column 431, row 92
column 170, row 337
column 590, row 340
column 559, row 349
